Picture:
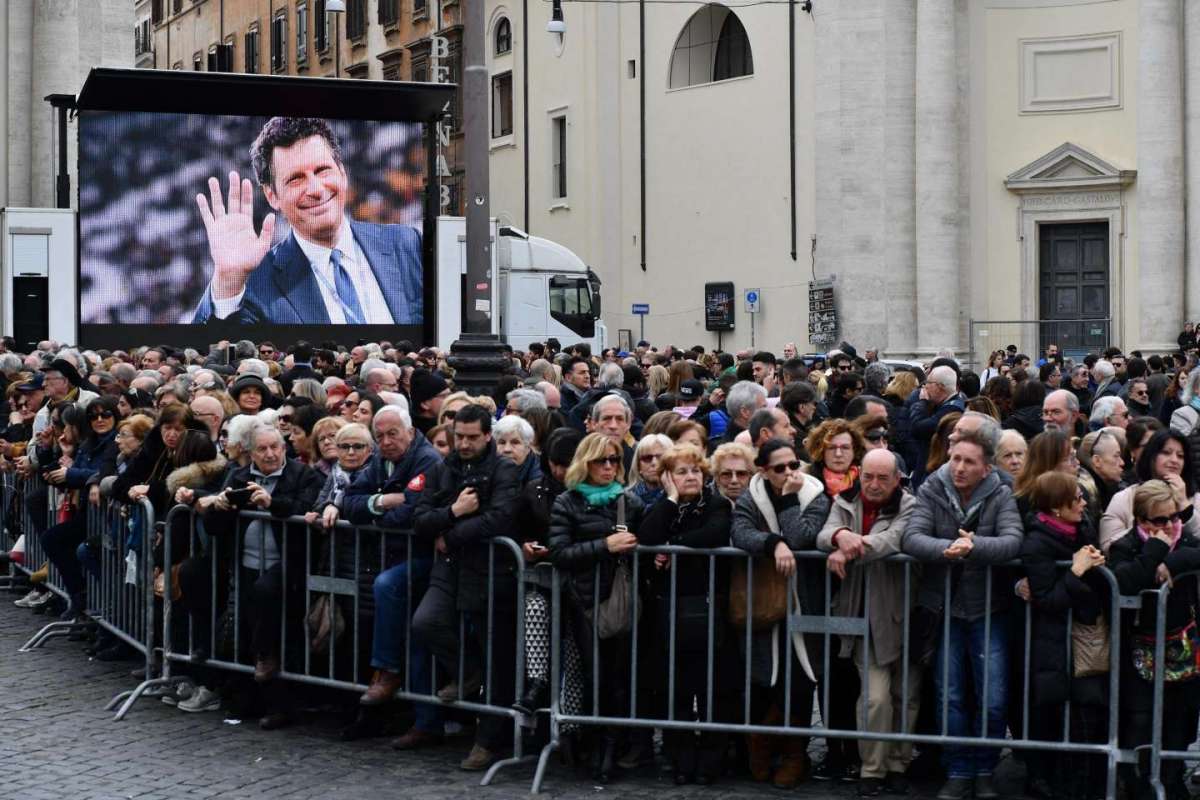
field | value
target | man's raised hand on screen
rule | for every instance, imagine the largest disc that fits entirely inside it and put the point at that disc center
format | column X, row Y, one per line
column 235, row 248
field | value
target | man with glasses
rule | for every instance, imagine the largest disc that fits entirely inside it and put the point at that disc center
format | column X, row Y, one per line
column 385, row 493
column 63, row 383
column 1060, row 409
column 937, row 398
column 266, row 351
column 1107, row 412
column 1137, row 398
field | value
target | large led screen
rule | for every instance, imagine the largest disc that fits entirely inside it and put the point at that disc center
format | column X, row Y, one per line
column 244, row 221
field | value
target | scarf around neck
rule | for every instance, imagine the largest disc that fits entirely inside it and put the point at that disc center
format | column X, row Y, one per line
column 1066, row 530
column 838, row 482
column 597, row 496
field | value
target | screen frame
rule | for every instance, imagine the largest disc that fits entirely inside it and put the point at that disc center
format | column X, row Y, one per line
column 234, row 94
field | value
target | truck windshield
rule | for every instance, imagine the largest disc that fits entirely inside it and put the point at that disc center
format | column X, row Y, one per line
column 571, row 304
column 570, row 296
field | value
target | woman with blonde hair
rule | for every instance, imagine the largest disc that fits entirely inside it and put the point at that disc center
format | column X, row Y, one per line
column 657, row 380
column 902, row 384
column 593, row 529
column 660, row 422
column 644, row 481
column 732, row 468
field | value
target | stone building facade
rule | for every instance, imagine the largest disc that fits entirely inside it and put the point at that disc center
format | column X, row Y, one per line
column 945, row 161
column 48, row 48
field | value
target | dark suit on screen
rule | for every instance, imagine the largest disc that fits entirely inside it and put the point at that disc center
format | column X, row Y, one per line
column 282, row 290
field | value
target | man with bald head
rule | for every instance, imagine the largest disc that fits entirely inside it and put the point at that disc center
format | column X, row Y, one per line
column 209, row 411
column 553, row 397
column 865, row 525
column 1059, row 411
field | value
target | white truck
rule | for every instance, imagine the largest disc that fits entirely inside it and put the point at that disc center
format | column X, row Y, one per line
column 540, row 289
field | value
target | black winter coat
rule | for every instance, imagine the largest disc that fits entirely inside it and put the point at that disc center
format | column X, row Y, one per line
column 701, row 524
column 468, row 538
column 1054, row 591
column 577, row 534
column 1025, row 421
column 1135, row 562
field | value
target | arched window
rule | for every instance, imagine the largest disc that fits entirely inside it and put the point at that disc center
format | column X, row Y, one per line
column 712, row 47
column 503, row 36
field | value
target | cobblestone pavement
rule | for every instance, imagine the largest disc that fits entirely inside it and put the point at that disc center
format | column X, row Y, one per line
column 59, row 744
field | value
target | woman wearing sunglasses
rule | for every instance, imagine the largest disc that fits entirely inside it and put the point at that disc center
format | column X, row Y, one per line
column 1153, row 553
column 782, row 510
column 587, row 542
column 93, row 436
column 646, row 482
column 1167, row 458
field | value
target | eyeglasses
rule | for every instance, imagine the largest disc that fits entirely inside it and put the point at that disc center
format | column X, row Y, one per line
column 837, row 448
column 286, row 418
column 646, row 458
column 100, row 415
column 610, row 461
column 740, row 474
column 843, row 368
column 266, row 352
column 1161, row 521
column 877, row 436
column 352, row 447
column 787, row 466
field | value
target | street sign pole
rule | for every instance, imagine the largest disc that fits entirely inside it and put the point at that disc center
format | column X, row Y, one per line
column 753, row 298
column 641, row 310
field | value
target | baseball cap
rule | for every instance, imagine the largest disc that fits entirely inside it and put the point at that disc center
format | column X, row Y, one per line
column 690, row 389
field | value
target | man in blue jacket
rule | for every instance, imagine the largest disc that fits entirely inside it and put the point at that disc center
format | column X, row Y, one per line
column 385, row 494
column 330, row 269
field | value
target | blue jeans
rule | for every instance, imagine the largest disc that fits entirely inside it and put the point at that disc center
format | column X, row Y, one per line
column 90, row 560
column 969, row 649
column 393, row 619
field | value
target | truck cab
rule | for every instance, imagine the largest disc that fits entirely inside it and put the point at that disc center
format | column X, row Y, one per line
column 540, row 289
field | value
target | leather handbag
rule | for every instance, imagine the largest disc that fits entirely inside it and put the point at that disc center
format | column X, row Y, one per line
column 770, row 594
column 614, row 615
column 1091, row 648
column 325, row 622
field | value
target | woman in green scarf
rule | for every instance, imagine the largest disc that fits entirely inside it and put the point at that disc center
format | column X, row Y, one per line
column 593, row 529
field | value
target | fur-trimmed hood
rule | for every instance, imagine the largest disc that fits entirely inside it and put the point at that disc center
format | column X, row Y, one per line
column 195, row 476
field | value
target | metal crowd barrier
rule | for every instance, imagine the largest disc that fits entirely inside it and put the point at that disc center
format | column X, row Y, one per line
column 342, row 585
column 828, row 627
column 130, row 615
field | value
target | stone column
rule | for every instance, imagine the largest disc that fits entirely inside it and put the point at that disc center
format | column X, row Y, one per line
column 55, row 71
column 1160, row 182
column 899, row 159
column 1191, row 47
column 937, row 184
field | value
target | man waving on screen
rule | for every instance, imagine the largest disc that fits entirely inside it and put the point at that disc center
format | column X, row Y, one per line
column 330, row 269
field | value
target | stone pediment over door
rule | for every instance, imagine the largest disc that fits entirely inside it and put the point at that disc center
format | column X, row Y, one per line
column 1069, row 168
column 1069, row 185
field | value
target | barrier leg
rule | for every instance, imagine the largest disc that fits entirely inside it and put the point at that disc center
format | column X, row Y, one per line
column 53, row 631
column 518, row 756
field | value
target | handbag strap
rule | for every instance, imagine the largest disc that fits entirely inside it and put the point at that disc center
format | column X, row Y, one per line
column 621, row 509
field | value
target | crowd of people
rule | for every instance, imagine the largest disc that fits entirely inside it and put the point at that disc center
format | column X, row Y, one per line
column 988, row 481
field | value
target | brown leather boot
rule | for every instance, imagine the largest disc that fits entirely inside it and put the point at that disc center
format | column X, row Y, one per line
column 384, row 684
column 795, row 766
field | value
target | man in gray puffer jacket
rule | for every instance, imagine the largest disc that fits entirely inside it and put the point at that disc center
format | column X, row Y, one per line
column 965, row 521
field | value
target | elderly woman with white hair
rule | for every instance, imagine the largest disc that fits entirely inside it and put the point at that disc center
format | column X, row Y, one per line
column 646, row 481
column 514, row 440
